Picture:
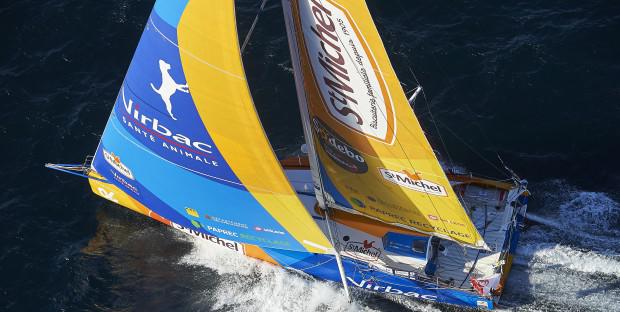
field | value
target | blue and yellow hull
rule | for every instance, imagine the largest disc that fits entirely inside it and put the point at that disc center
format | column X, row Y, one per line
column 360, row 275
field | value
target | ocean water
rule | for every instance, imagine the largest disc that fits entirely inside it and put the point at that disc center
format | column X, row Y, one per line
column 537, row 82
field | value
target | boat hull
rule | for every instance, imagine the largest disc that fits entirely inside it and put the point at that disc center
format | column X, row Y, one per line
column 359, row 274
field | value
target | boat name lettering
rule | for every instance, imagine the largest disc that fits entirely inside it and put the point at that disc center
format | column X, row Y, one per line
column 389, row 289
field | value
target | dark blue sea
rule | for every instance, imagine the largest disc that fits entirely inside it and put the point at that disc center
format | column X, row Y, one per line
column 535, row 82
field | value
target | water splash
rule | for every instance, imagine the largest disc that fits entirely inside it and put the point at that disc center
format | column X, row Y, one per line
column 570, row 259
column 545, row 255
column 251, row 285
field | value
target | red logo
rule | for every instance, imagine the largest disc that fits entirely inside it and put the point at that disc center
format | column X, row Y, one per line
column 368, row 245
column 258, row 228
column 433, row 217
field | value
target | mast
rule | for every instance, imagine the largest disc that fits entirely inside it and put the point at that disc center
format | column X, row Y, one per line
column 312, row 156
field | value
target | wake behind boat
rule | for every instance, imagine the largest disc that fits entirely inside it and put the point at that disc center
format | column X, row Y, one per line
column 369, row 206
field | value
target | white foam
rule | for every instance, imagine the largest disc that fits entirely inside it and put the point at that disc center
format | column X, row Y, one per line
column 574, row 210
column 571, row 260
column 549, row 254
column 252, row 285
column 593, row 212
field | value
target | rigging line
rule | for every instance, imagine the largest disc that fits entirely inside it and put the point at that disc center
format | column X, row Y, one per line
column 502, row 172
column 486, row 138
column 392, row 129
column 434, row 122
column 443, row 143
column 432, row 117
column 418, row 82
column 473, row 266
column 443, row 73
column 451, row 163
column 249, row 34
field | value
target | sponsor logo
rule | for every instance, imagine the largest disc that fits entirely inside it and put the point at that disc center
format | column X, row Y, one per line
column 222, row 231
column 168, row 87
column 423, row 226
column 263, row 240
column 362, row 250
column 192, row 212
column 151, row 127
column 413, row 181
column 352, row 91
column 115, row 161
column 268, row 230
column 368, row 285
column 338, row 150
column 358, row 202
column 196, row 223
column 234, row 246
column 227, row 222
column 124, row 182
column 109, row 195
column 486, row 285
column 433, row 217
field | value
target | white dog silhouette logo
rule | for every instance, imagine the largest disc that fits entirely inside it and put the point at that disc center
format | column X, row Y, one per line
column 168, row 86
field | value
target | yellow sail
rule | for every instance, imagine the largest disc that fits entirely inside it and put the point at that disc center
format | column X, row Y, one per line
column 369, row 153
column 213, row 65
column 184, row 140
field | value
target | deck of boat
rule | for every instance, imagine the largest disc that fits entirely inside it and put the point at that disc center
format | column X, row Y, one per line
column 491, row 213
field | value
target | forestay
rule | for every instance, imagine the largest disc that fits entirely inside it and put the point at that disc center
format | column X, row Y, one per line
column 185, row 141
column 369, row 153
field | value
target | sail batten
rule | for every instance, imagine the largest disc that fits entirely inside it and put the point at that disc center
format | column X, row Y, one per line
column 371, row 155
column 185, row 142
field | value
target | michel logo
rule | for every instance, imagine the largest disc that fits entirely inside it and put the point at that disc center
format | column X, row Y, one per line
column 115, row 161
column 232, row 245
column 413, row 181
column 362, row 250
column 338, row 150
column 168, row 87
column 352, row 89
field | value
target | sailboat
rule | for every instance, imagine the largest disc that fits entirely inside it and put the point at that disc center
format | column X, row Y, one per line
column 368, row 204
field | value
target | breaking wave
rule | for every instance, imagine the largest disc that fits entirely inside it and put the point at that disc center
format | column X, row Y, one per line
column 569, row 259
column 545, row 254
column 250, row 285
column 247, row 284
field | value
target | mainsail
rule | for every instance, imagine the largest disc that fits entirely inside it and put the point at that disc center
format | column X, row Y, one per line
column 184, row 139
column 368, row 152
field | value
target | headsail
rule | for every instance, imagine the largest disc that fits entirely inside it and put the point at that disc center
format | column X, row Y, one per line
column 185, row 141
column 370, row 155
